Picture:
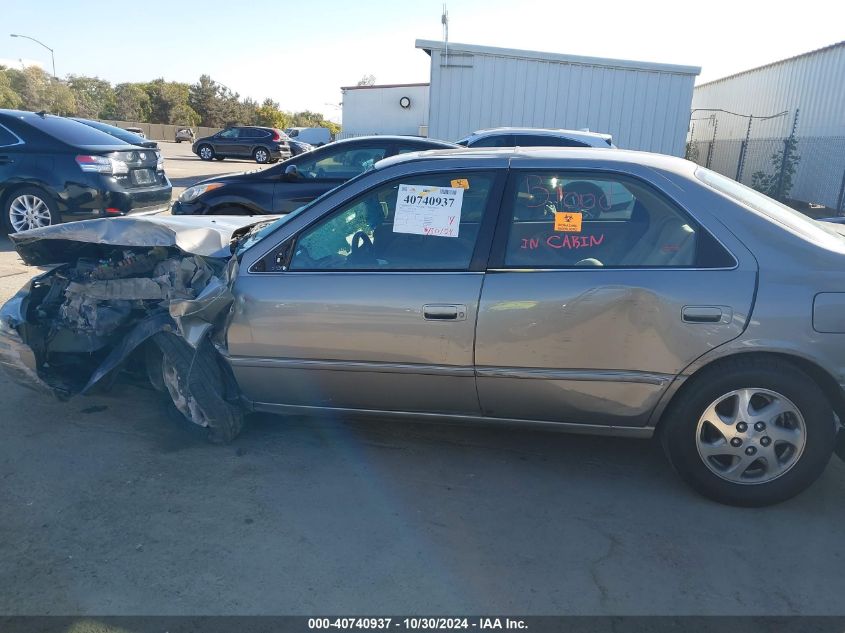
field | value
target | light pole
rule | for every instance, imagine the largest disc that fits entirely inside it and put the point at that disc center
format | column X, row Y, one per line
column 52, row 56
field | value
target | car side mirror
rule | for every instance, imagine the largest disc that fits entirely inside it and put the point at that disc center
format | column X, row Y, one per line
column 291, row 173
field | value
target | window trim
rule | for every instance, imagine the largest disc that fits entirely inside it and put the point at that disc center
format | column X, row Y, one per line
column 481, row 252
column 20, row 141
column 498, row 250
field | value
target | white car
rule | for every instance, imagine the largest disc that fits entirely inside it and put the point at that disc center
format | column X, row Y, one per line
column 535, row 137
column 316, row 136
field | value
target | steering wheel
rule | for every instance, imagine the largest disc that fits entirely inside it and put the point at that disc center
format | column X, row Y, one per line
column 361, row 243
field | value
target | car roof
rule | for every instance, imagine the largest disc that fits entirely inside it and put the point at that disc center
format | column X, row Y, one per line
column 541, row 132
column 547, row 157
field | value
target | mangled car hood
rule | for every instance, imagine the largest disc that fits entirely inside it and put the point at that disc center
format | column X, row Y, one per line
column 208, row 236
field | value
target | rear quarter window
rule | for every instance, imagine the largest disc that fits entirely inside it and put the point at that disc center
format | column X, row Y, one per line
column 7, row 138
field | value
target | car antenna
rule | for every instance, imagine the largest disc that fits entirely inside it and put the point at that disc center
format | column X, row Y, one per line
column 41, row 113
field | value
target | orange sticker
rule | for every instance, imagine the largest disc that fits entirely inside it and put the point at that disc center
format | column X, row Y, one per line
column 568, row 221
column 460, row 183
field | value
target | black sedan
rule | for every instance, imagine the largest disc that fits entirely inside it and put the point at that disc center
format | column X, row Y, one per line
column 288, row 185
column 54, row 169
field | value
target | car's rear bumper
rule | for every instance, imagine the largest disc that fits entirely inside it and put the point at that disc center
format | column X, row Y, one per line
column 107, row 200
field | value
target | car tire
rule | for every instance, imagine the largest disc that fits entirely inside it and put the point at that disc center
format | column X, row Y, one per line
column 29, row 200
column 749, row 431
column 200, row 387
column 205, row 152
column 219, row 158
column 261, row 155
column 178, row 140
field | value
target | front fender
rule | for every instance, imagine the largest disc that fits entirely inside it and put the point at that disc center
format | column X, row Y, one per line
column 143, row 330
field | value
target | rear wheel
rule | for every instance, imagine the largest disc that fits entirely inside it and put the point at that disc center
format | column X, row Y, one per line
column 261, row 155
column 750, row 432
column 205, row 152
column 29, row 208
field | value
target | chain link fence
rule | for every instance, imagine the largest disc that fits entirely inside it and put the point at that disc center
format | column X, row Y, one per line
column 806, row 172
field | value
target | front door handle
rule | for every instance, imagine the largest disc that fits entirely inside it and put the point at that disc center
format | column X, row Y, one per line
column 444, row 312
column 705, row 314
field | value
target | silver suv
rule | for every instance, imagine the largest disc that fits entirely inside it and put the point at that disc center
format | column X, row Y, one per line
column 535, row 137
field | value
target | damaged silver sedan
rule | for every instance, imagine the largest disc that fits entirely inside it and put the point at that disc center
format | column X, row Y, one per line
column 592, row 291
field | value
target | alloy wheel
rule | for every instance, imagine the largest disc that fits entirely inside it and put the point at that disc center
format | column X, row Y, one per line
column 751, row 436
column 29, row 212
column 261, row 156
column 206, row 153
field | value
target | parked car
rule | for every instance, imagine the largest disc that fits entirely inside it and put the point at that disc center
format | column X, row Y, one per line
column 535, row 137
column 119, row 132
column 698, row 309
column 262, row 144
column 298, row 147
column 185, row 134
column 137, row 130
column 288, row 185
column 54, row 169
column 316, row 136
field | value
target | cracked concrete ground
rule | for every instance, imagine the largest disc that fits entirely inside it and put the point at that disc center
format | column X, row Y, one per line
column 111, row 507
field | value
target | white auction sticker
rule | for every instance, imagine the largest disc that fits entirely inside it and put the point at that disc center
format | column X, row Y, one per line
column 428, row 210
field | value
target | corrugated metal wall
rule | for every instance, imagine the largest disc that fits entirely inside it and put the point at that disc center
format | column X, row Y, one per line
column 643, row 108
column 814, row 83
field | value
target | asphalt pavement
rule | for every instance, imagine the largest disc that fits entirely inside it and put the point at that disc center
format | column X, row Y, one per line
column 110, row 506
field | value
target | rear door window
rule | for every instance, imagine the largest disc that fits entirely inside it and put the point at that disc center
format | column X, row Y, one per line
column 72, row 132
column 566, row 219
column 341, row 164
column 501, row 140
column 537, row 140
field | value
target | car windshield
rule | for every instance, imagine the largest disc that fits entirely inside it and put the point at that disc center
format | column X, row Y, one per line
column 72, row 132
column 786, row 216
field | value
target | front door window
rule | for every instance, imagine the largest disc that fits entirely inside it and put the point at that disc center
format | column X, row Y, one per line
column 428, row 222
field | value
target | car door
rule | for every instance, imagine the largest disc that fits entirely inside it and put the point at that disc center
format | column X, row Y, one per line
column 373, row 305
column 322, row 170
column 601, row 291
column 226, row 142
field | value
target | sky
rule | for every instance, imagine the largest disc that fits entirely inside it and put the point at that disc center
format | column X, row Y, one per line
column 301, row 53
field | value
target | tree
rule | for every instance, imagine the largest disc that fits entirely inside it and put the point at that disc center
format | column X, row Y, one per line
column 169, row 102
column 36, row 91
column 270, row 115
column 785, row 161
column 131, row 103
column 204, row 97
column 95, row 98
column 8, row 97
column 367, row 80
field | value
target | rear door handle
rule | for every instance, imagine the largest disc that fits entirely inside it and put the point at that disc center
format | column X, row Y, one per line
column 444, row 312
column 706, row 314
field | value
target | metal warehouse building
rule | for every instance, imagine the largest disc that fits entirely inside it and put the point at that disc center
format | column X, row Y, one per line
column 741, row 123
column 643, row 105
column 385, row 109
